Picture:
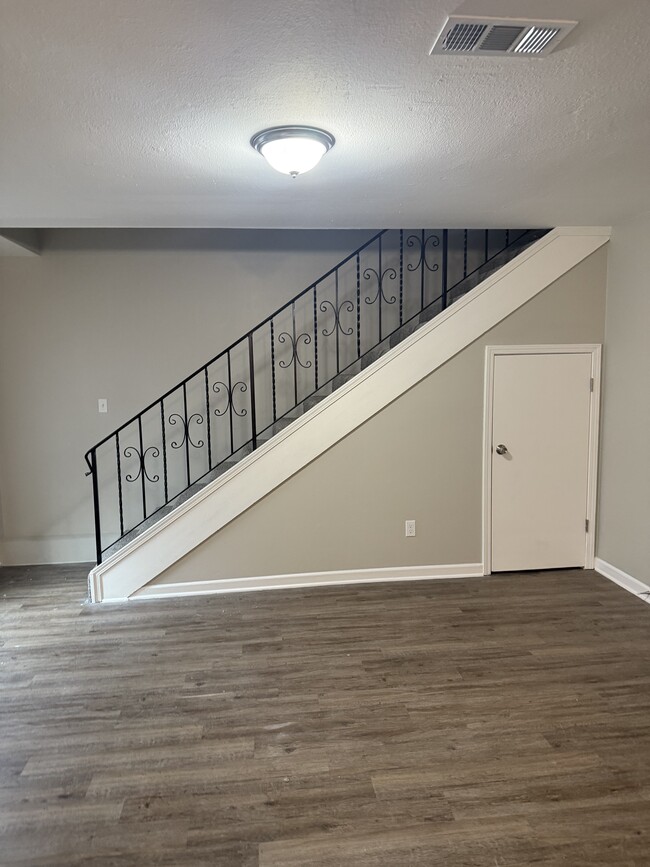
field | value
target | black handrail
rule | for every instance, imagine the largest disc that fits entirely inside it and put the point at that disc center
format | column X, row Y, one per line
column 163, row 441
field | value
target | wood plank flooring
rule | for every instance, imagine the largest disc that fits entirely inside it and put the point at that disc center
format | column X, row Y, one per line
column 497, row 722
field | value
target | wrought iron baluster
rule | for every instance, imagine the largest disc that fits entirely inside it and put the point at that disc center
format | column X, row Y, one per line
column 401, row 276
column 424, row 243
column 380, row 297
column 119, row 482
column 358, row 307
column 98, row 529
column 187, row 439
column 445, row 251
column 230, row 407
column 487, row 247
column 295, row 366
column 207, row 416
column 338, row 329
column 275, row 414
column 315, row 337
column 142, row 474
column 251, row 367
column 422, row 265
column 380, row 292
column 164, row 450
column 294, row 340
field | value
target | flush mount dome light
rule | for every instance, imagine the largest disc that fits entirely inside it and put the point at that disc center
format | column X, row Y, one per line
column 293, row 150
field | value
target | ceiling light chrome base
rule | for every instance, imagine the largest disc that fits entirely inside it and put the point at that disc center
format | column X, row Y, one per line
column 276, row 132
column 293, row 150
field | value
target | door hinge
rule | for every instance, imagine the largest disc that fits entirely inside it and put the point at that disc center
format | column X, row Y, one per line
column 586, row 525
column 591, row 384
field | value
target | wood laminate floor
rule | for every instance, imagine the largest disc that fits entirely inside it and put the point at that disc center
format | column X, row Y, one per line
column 496, row 722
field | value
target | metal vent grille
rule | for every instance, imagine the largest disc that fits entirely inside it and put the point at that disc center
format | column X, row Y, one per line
column 464, row 37
column 536, row 40
column 500, row 36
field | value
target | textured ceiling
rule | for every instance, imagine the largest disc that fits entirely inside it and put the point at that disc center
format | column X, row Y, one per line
column 139, row 113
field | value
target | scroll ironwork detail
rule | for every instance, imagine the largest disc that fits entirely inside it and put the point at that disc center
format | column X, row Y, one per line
column 344, row 305
column 426, row 245
column 285, row 337
column 186, row 434
column 391, row 273
column 130, row 451
column 229, row 392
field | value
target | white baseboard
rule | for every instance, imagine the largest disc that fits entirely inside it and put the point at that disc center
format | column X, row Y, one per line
column 309, row 579
column 628, row 582
column 47, row 550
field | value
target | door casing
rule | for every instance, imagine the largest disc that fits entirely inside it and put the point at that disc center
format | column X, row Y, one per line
column 491, row 352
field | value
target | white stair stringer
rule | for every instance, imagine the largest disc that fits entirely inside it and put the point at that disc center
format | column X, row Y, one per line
column 255, row 476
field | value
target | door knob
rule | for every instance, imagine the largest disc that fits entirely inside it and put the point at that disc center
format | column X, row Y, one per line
column 501, row 449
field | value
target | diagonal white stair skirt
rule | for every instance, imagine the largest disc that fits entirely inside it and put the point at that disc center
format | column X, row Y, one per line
column 136, row 564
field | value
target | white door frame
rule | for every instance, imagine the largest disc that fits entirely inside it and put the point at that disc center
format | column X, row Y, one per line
column 491, row 352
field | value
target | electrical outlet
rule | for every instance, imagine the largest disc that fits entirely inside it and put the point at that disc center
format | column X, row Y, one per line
column 102, row 405
column 409, row 528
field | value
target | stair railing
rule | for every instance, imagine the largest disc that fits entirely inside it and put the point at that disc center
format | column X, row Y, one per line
column 239, row 398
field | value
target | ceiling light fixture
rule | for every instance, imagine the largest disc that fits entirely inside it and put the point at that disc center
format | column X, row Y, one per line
column 293, row 150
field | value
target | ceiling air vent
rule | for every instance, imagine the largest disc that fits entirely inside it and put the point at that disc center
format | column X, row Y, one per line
column 464, row 37
column 499, row 36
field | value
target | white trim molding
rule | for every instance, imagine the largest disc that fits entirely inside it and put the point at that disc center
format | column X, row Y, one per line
column 312, row 579
column 491, row 353
column 627, row 582
column 427, row 349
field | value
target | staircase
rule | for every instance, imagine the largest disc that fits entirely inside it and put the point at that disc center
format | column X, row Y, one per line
column 349, row 318
column 383, row 320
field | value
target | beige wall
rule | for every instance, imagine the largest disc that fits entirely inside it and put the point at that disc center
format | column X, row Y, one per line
column 121, row 315
column 419, row 458
column 624, row 514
